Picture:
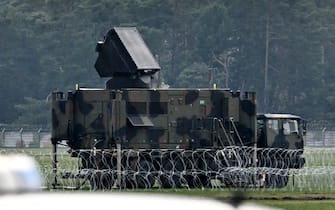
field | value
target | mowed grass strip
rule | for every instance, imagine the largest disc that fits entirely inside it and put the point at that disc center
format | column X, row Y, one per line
column 298, row 205
column 309, row 191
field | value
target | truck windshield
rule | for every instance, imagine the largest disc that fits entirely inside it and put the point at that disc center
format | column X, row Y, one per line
column 290, row 126
column 287, row 126
column 273, row 125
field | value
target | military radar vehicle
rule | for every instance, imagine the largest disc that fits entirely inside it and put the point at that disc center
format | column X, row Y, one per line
column 136, row 134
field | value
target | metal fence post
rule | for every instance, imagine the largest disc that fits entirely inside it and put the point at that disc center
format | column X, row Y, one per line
column 323, row 136
column 21, row 137
column 39, row 137
column 118, row 165
column 2, row 140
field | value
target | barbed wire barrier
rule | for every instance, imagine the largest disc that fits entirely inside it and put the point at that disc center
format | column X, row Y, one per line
column 181, row 169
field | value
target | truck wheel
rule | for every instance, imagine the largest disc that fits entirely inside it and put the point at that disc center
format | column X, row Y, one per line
column 168, row 180
column 107, row 180
column 276, row 181
column 95, row 180
column 197, row 180
column 101, row 181
column 171, row 177
column 129, row 181
column 145, row 179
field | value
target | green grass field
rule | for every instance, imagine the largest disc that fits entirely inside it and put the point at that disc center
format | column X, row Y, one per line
column 298, row 205
column 310, row 188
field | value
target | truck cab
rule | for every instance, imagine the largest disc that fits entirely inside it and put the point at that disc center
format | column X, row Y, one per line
column 285, row 132
column 280, row 131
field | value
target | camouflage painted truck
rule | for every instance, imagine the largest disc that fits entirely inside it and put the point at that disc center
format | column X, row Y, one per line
column 136, row 134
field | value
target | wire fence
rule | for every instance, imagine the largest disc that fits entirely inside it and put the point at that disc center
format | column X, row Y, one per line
column 24, row 137
column 320, row 134
column 229, row 168
column 317, row 136
column 317, row 174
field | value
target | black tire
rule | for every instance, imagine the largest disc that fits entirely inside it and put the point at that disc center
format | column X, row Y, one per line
column 204, row 180
column 101, row 181
column 107, row 181
column 276, row 181
column 170, row 180
column 145, row 179
column 171, row 177
column 95, row 180
column 129, row 181
column 197, row 180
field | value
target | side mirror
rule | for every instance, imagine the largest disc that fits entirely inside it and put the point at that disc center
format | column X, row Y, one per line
column 295, row 133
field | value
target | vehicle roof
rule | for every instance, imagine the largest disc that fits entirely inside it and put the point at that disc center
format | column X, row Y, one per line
column 278, row 116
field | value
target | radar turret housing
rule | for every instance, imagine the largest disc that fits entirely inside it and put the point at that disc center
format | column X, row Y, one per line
column 125, row 57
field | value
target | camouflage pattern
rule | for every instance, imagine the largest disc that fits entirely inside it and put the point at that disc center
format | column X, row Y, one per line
column 154, row 118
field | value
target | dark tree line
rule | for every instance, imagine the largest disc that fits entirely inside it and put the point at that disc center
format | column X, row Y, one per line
column 284, row 50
